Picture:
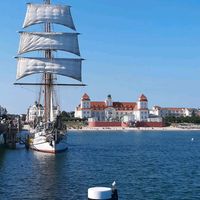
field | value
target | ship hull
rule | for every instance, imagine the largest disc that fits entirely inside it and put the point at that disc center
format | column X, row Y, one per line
column 47, row 148
column 41, row 144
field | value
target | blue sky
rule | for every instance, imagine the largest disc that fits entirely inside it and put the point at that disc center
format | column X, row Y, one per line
column 131, row 47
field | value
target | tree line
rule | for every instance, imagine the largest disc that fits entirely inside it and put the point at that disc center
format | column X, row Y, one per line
column 172, row 119
column 69, row 116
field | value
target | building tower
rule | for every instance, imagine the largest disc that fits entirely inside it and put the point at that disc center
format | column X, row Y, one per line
column 108, row 101
column 85, row 101
column 85, row 107
column 142, row 108
column 142, row 102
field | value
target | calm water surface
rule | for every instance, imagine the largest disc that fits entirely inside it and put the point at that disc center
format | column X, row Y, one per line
column 145, row 165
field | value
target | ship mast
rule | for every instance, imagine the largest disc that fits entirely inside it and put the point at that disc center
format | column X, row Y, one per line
column 47, row 42
column 48, row 79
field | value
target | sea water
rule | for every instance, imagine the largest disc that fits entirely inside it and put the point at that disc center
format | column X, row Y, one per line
column 145, row 165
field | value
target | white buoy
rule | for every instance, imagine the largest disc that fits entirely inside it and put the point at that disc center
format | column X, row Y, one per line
column 99, row 193
column 192, row 139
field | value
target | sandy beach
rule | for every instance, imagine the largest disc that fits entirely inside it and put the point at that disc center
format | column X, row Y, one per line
column 170, row 128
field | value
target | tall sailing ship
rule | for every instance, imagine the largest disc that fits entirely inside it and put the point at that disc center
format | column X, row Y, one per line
column 48, row 134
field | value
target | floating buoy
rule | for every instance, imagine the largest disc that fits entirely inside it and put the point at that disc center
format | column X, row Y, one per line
column 102, row 193
column 98, row 193
column 192, row 139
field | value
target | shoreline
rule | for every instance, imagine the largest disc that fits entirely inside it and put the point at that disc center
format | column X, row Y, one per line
column 135, row 129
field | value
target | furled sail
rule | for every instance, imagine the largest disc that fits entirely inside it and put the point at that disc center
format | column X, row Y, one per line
column 44, row 13
column 69, row 67
column 48, row 41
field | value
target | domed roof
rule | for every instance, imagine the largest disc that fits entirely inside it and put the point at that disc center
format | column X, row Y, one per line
column 85, row 97
column 142, row 98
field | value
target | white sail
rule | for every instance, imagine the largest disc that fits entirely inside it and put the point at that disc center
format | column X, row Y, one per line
column 48, row 41
column 44, row 13
column 67, row 67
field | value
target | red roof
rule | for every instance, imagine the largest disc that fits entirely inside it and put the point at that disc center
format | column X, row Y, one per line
column 100, row 105
column 143, row 98
column 124, row 105
column 97, row 105
column 85, row 97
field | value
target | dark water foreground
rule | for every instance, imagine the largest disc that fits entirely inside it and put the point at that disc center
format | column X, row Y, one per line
column 145, row 165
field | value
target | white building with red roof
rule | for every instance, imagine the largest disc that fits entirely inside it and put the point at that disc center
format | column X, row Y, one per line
column 173, row 111
column 110, row 110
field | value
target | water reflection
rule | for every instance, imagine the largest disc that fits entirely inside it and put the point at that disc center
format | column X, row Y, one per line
column 144, row 165
column 49, row 171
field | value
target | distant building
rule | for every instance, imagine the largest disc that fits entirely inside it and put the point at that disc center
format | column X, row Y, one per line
column 110, row 110
column 34, row 111
column 128, row 113
column 37, row 111
column 172, row 111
